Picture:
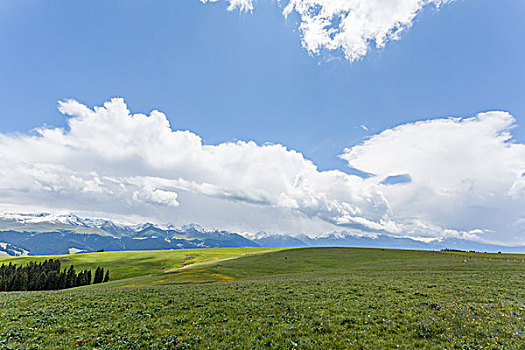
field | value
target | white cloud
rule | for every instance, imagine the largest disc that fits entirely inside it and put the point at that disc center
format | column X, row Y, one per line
column 243, row 5
column 109, row 160
column 465, row 173
column 352, row 26
column 465, row 177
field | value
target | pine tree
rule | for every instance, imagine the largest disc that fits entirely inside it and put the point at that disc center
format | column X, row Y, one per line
column 61, row 283
column 99, row 275
column 20, row 281
column 71, row 277
column 46, row 276
column 40, row 282
column 78, row 280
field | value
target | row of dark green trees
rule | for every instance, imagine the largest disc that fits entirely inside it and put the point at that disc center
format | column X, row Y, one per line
column 46, row 276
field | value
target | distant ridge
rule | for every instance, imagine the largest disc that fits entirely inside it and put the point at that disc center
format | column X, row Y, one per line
column 344, row 239
column 49, row 234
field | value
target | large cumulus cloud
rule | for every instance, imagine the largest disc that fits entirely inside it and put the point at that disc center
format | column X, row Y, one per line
column 109, row 160
column 352, row 26
column 464, row 173
column 460, row 177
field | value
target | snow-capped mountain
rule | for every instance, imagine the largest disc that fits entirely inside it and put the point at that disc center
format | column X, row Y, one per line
column 46, row 222
column 37, row 218
column 43, row 233
column 348, row 239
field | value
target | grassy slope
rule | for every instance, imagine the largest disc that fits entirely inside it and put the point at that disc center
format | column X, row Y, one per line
column 273, row 263
column 128, row 264
column 336, row 298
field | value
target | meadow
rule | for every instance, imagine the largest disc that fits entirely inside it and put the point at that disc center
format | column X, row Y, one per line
column 331, row 298
column 127, row 264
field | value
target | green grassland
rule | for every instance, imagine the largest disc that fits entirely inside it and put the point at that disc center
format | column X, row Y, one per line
column 315, row 298
column 127, row 264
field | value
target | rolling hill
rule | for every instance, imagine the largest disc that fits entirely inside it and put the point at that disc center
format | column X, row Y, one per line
column 306, row 298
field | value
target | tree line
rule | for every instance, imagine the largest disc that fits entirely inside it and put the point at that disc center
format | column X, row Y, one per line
column 46, row 276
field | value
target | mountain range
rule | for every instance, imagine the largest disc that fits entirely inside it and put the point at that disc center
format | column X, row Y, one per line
column 48, row 234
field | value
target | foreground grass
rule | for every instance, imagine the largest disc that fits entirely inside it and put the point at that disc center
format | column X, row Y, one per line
column 303, row 298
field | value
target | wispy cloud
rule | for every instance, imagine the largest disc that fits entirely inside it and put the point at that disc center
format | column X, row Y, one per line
column 243, row 5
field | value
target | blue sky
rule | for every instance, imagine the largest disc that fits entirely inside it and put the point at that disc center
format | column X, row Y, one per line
column 231, row 75
column 234, row 75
